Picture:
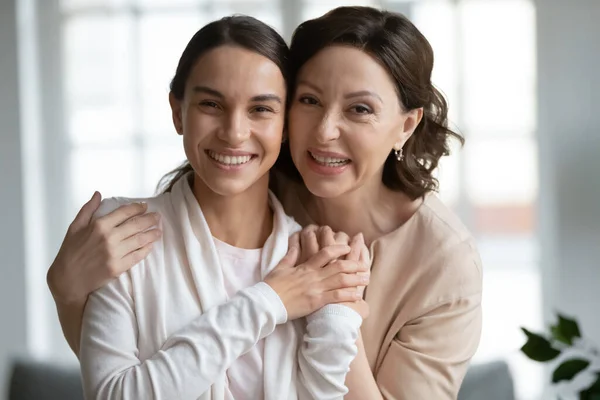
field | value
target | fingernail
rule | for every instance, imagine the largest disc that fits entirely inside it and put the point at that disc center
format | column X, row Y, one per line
column 364, row 279
column 357, row 294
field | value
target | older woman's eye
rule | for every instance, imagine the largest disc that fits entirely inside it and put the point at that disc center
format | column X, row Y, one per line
column 360, row 109
column 308, row 100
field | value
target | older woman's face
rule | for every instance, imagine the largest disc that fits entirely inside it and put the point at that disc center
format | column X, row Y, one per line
column 345, row 118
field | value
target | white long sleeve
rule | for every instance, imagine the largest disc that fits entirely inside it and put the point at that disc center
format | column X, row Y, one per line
column 188, row 362
column 327, row 349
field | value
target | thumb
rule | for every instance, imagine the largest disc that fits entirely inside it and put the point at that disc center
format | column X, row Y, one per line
column 291, row 258
column 84, row 216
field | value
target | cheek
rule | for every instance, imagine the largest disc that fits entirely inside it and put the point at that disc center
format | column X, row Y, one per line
column 271, row 135
column 300, row 126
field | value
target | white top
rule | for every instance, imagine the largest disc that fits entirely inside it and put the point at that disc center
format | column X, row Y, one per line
column 241, row 269
column 166, row 329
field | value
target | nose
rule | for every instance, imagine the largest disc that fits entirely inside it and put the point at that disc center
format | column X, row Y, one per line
column 328, row 129
column 235, row 129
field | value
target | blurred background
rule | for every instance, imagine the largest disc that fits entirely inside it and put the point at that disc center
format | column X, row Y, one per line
column 83, row 107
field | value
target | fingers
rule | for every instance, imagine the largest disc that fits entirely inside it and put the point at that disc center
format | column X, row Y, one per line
column 326, row 255
column 340, row 296
column 139, row 241
column 123, row 213
column 345, row 280
column 85, row 214
column 344, row 266
column 326, row 237
column 356, row 246
column 294, row 240
column 137, row 224
column 291, row 258
column 308, row 242
column 341, row 238
column 134, row 258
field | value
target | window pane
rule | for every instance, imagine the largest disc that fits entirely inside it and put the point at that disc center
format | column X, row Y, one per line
column 98, row 77
column 268, row 12
column 501, row 171
column 163, row 37
column 316, row 8
column 74, row 5
column 502, row 185
column 111, row 171
column 498, row 66
column 436, row 19
column 160, row 159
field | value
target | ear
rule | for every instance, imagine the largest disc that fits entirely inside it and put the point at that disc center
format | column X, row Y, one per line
column 412, row 119
column 176, row 113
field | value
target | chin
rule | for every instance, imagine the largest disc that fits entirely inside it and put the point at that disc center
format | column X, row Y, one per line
column 326, row 189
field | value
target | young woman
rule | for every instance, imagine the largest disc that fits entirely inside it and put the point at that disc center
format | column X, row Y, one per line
column 213, row 311
column 366, row 131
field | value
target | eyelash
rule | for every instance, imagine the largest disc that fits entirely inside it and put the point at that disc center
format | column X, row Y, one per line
column 259, row 109
column 264, row 108
column 312, row 101
column 210, row 104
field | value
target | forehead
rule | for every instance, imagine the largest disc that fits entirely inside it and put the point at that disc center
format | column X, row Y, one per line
column 346, row 66
column 236, row 71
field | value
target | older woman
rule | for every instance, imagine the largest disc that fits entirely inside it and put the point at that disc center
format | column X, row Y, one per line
column 366, row 131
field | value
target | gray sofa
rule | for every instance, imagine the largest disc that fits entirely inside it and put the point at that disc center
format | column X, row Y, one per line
column 32, row 380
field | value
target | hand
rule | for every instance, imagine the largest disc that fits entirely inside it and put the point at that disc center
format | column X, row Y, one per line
column 307, row 287
column 95, row 251
column 319, row 237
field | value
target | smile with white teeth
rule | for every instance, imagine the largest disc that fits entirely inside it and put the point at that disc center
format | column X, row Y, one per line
column 228, row 160
column 330, row 161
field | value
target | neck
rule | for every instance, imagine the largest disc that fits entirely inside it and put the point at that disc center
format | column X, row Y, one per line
column 373, row 210
column 244, row 220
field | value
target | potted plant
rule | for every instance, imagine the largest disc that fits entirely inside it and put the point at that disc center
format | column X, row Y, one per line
column 564, row 340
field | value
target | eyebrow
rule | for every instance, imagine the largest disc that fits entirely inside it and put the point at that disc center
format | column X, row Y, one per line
column 363, row 93
column 216, row 93
column 346, row 96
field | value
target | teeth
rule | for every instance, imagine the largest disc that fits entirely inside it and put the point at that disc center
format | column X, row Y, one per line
column 330, row 161
column 229, row 160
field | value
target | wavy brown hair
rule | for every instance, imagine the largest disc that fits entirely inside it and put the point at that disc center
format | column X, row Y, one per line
column 401, row 48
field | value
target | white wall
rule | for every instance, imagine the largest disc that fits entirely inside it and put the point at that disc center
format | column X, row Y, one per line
column 569, row 138
column 13, row 316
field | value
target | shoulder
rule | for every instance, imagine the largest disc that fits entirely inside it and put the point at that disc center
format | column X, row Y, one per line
column 433, row 258
column 110, row 204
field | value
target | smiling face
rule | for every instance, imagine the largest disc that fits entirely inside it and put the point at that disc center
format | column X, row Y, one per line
column 345, row 118
column 231, row 118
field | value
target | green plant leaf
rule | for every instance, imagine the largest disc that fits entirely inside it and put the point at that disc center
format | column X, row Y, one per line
column 538, row 348
column 565, row 330
column 568, row 369
column 592, row 392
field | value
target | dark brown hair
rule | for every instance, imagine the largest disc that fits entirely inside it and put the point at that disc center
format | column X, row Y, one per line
column 399, row 46
column 238, row 30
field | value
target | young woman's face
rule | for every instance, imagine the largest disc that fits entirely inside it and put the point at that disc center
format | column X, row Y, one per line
column 345, row 119
column 231, row 118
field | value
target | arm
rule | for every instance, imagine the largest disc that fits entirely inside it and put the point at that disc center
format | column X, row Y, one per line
column 427, row 359
column 188, row 362
column 93, row 252
column 326, row 352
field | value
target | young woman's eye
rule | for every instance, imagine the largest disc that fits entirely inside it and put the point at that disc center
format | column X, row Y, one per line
column 307, row 100
column 361, row 109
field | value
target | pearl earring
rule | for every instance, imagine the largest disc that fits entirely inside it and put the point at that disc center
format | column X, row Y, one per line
column 399, row 154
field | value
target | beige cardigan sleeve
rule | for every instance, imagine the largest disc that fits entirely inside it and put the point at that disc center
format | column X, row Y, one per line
column 429, row 354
